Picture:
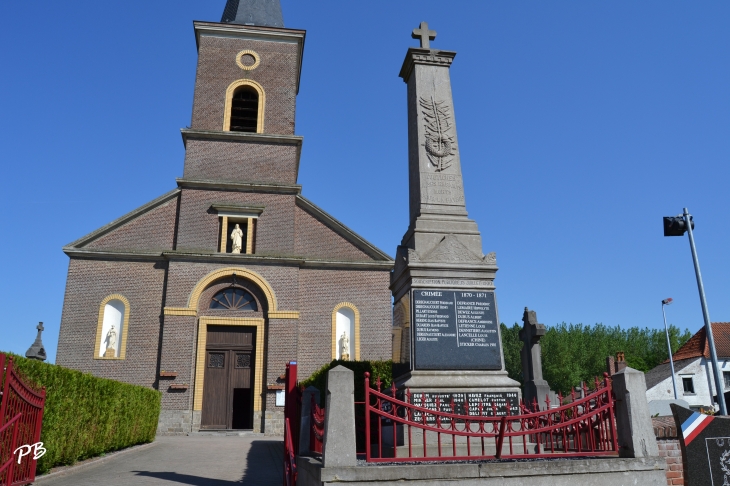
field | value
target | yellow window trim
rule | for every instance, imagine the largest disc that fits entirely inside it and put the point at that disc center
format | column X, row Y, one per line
column 229, row 101
column 125, row 327
column 192, row 308
column 356, row 337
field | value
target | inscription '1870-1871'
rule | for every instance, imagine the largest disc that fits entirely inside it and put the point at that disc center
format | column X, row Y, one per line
column 455, row 330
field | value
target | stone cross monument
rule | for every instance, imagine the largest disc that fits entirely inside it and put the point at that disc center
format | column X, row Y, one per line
column 536, row 388
column 442, row 282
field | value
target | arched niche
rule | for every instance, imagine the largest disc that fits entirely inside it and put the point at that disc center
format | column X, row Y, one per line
column 112, row 327
column 346, row 321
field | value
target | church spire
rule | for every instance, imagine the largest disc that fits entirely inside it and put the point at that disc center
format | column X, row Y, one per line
column 266, row 13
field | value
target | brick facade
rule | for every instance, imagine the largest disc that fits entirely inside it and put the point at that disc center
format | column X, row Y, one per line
column 157, row 257
column 670, row 449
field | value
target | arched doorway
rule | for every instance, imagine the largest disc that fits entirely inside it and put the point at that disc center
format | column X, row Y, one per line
column 230, row 345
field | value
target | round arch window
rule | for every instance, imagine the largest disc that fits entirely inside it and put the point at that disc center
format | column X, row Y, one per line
column 234, row 298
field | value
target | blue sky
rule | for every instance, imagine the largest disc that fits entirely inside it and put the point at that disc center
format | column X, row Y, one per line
column 580, row 125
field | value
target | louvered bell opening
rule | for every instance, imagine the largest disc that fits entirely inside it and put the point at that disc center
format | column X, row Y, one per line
column 245, row 110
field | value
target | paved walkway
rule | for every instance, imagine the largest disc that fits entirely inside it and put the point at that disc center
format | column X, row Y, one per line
column 193, row 460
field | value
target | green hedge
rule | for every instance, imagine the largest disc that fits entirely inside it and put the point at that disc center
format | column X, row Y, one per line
column 382, row 369
column 86, row 416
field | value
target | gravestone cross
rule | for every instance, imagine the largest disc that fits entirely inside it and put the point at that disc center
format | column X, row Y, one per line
column 536, row 388
column 424, row 35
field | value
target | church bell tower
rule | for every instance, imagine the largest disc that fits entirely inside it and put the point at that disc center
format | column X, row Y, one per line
column 244, row 108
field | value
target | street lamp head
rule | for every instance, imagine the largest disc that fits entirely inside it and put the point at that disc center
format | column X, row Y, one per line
column 667, row 301
column 676, row 225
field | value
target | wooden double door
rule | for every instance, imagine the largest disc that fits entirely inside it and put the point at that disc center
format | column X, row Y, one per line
column 229, row 378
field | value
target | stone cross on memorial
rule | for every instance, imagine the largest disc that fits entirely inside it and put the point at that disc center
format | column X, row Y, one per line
column 424, row 35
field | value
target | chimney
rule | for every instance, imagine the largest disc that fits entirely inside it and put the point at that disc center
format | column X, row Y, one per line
column 610, row 365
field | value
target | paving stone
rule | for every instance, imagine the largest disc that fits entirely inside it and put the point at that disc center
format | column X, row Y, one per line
column 194, row 460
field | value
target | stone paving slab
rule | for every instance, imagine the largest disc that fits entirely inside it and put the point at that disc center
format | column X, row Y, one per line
column 185, row 460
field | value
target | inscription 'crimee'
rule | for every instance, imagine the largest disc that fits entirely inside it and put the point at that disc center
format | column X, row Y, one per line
column 440, row 143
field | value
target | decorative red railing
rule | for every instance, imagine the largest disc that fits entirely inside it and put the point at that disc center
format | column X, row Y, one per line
column 397, row 430
column 22, row 406
column 316, row 432
column 290, row 457
column 8, row 444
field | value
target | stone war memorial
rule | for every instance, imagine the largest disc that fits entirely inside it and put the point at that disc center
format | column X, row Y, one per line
column 452, row 413
column 442, row 283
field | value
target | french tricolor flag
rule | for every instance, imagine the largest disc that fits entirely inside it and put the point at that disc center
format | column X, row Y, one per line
column 695, row 424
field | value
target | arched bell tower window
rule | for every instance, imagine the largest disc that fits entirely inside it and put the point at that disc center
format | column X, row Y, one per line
column 233, row 298
column 245, row 110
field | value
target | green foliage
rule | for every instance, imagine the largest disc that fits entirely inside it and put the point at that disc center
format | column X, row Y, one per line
column 572, row 353
column 382, row 369
column 511, row 346
column 86, row 416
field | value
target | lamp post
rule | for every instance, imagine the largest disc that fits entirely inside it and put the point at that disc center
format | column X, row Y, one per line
column 669, row 347
column 677, row 226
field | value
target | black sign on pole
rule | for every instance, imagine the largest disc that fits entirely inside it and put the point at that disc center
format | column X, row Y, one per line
column 455, row 330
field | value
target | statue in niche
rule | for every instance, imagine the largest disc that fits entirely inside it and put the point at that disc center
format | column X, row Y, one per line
column 237, row 238
column 345, row 347
column 111, row 346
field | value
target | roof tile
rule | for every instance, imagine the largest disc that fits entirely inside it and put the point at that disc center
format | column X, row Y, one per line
column 698, row 346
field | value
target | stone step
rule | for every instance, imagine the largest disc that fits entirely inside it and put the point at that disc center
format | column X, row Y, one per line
column 224, row 433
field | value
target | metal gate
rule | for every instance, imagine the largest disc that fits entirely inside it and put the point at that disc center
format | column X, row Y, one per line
column 21, row 418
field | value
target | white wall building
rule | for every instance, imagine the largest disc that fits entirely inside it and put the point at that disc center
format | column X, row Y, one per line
column 694, row 371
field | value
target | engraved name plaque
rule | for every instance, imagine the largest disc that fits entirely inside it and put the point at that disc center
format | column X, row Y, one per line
column 455, row 330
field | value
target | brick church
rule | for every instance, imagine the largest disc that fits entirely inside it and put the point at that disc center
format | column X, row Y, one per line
column 207, row 291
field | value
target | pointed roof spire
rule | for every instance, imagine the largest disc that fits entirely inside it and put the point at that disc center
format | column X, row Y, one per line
column 265, row 13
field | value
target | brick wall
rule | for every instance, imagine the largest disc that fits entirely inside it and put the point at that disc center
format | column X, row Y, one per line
column 320, row 291
column 314, row 239
column 200, row 227
column 153, row 230
column 217, row 69
column 669, row 448
column 238, row 161
column 87, row 284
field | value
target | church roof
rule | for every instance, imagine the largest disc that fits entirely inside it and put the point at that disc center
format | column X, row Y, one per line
column 266, row 13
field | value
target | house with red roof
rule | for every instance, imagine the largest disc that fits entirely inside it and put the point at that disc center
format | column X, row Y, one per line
column 693, row 367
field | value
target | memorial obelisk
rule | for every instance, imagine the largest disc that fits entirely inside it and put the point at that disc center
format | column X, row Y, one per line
column 446, row 327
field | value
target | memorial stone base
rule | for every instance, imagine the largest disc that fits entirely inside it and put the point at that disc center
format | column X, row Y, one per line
column 550, row 472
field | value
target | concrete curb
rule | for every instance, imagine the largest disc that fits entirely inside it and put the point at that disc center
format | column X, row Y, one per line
column 65, row 470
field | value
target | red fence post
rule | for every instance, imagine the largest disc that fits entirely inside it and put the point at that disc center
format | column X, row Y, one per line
column 500, row 439
column 367, row 417
column 292, row 410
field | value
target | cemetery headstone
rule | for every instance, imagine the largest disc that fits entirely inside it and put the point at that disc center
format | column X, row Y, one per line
column 536, row 388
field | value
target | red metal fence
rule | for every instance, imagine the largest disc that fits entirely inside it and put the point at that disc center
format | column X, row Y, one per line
column 397, row 430
column 21, row 417
column 292, row 418
column 316, row 431
column 290, row 459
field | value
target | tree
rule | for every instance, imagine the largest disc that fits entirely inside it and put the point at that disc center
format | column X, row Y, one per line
column 572, row 353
